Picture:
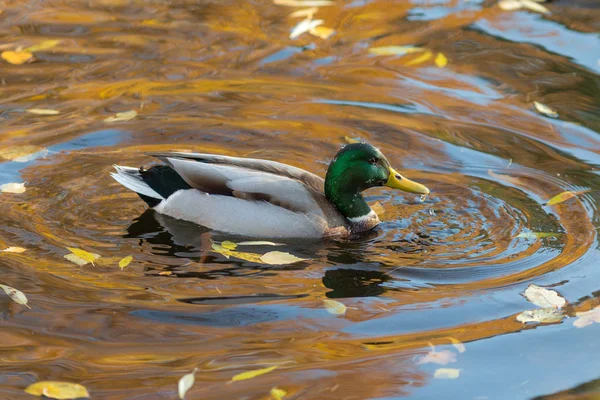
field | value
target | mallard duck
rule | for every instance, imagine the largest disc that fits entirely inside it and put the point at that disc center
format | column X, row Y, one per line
column 261, row 198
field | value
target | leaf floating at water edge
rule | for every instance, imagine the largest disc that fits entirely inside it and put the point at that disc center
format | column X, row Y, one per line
column 321, row 32
column 304, row 26
column 252, row 374
column 14, row 249
column 441, row 60
column 43, row 111
column 542, row 315
column 75, row 260
column 260, row 243
column 587, row 318
column 564, row 196
column 122, row 116
column 334, row 307
column 458, row 345
column 543, row 297
column 16, row 295
column 446, row 373
column 304, row 3
column 229, row 245
column 533, row 6
column 58, row 390
column 280, row 258
column 83, row 255
column 16, row 57
column 13, row 188
column 125, row 261
column 395, row 50
column 544, row 109
column 510, row 5
column 185, row 383
column 420, row 59
column 44, row 45
column 277, row 394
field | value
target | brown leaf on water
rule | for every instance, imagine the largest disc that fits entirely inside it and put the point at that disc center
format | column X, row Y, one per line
column 16, row 295
column 322, row 32
column 58, row 390
column 587, row 318
column 16, row 57
column 421, row 59
column 13, row 188
column 441, row 60
column 252, row 374
column 564, row 196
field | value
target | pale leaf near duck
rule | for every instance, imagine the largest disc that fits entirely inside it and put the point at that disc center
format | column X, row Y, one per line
column 543, row 297
column 334, row 307
column 43, row 111
column 229, row 245
column 541, row 315
column 259, row 243
column 280, row 258
column 14, row 249
column 586, row 318
column 16, row 295
column 277, row 394
column 446, row 373
column 81, row 257
column 13, row 187
column 185, row 383
column 252, row 374
column 58, row 390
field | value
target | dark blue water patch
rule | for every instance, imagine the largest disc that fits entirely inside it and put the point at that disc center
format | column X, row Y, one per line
column 527, row 27
column 10, row 171
column 399, row 108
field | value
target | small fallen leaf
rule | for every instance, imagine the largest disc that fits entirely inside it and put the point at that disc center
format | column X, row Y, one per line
column 252, row 374
column 304, row 3
column 395, row 50
column 259, row 243
column 441, row 60
column 334, row 307
column 458, row 345
column 57, row 390
column 510, row 5
column 587, row 317
column 13, row 187
column 305, row 12
column 14, row 249
column 543, row 315
column 421, row 59
column 16, row 295
column 544, row 109
column 438, row 357
column 378, row 208
column 125, row 261
column 564, row 196
column 252, row 257
column 122, row 116
column 533, row 6
column 165, row 273
column 537, row 235
column 543, row 297
column 304, row 26
column 280, row 258
column 277, row 394
column 16, row 57
column 322, row 32
column 44, row 45
column 84, row 255
column 228, row 245
column 446, row 373
column 43, row 111
column 75, row 260
column 185, row 383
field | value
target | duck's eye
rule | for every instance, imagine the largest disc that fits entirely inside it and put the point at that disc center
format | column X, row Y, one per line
column 373, row 161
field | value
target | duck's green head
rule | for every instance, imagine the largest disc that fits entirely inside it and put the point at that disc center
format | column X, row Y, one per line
column 357, row 167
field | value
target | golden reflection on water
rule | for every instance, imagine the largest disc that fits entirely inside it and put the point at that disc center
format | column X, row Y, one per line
column 224, row 78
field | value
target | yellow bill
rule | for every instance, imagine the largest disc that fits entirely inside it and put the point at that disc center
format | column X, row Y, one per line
column 397, row 181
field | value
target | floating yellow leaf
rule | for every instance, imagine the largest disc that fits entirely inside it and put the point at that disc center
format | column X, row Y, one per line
column 16, row 295
column 75, row 260
column 252, row 374
column 378, row 208
column 334, row 307
column 458, row 345
column 13, row 187
column 564, row 196
column 304, row 3
column 16, row 57
column 84, row 255
column 421, row 59
column 185, row 383
column 280, row 258
column 543, row 315
column 229, row 245
column 446, row 373
column 441, row 60
column 125, row 261
column 14, row 249
column 587, row 317
column 252, row 257
column 322, row 32
column 259, row 243
column 395, row 50
column 44, row 45
column 544, row 109
column 305, row 13
column 304, row 26
column 58, row 390
column 165, row 273
column 537, row 235
column 43, row 111
column 122, row 116
column 543, row 297
column 277, row 394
